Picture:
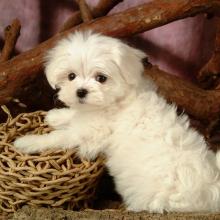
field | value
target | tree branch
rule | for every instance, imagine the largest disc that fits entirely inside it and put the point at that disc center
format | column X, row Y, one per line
column 209, row 74
column 85, row 12
column 71, row 21
column 199, row 103
column 101, row 9
column 25, row 67
column 12, row 33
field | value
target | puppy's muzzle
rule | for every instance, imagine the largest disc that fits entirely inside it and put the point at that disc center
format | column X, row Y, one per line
column 81, row 93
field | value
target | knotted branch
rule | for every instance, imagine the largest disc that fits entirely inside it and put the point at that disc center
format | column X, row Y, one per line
column 25, row 67
column 84, row 10
column 12, row 33
column 101, row 9
column 200, row 103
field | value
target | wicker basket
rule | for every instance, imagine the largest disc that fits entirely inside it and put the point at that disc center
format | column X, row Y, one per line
column 50, row 179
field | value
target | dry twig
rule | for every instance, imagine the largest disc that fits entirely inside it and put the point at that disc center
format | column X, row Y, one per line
column 23, row 68
column 12, row 33
column 101, row 9
column 86, row 14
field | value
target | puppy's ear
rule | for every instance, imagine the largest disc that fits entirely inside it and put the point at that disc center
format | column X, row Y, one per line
column 50, row 76
column 130, row 62
column 138, row 53
column 53, row 67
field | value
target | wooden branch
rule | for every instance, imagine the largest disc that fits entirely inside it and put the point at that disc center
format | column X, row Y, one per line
column 85, row 12
column 25, row 67
column 101, row 9
column 12, row 33
column 199, row 103
column 211, row 71
column 71, row 21
column 32, row 213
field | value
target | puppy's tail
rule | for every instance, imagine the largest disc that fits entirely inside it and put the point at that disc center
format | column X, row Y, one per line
column 218, row 159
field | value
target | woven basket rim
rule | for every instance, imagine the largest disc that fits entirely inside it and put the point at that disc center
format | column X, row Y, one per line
column 52, row 178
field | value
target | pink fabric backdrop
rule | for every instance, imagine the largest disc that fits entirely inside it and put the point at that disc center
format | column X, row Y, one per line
column 181, row 47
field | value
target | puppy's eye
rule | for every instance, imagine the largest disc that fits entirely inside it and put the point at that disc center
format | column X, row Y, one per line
column 100, row 78
column 71, row 76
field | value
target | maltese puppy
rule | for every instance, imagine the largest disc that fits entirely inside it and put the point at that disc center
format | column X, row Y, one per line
column 158, row 162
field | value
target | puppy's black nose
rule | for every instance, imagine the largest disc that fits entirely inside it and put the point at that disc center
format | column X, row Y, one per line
column 81, row 93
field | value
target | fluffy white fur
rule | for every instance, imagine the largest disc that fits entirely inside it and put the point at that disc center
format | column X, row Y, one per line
column 158, row 162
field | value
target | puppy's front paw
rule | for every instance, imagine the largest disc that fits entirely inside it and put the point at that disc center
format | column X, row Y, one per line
column 54, row 119
column 27, row 144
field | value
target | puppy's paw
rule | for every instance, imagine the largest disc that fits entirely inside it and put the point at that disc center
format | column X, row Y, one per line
column 27, row 144
column 58, row 118
column 53, row 118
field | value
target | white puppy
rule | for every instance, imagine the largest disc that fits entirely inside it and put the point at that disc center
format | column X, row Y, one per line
column 158, row 162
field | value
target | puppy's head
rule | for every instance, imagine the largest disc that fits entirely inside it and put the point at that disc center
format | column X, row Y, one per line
column 92, row 69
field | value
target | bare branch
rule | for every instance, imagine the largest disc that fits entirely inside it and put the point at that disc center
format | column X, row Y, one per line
column 84, row 10
column 201, row 104
column 12, row 33
column 101, row 9
column 25, row 67
column 209, row 75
